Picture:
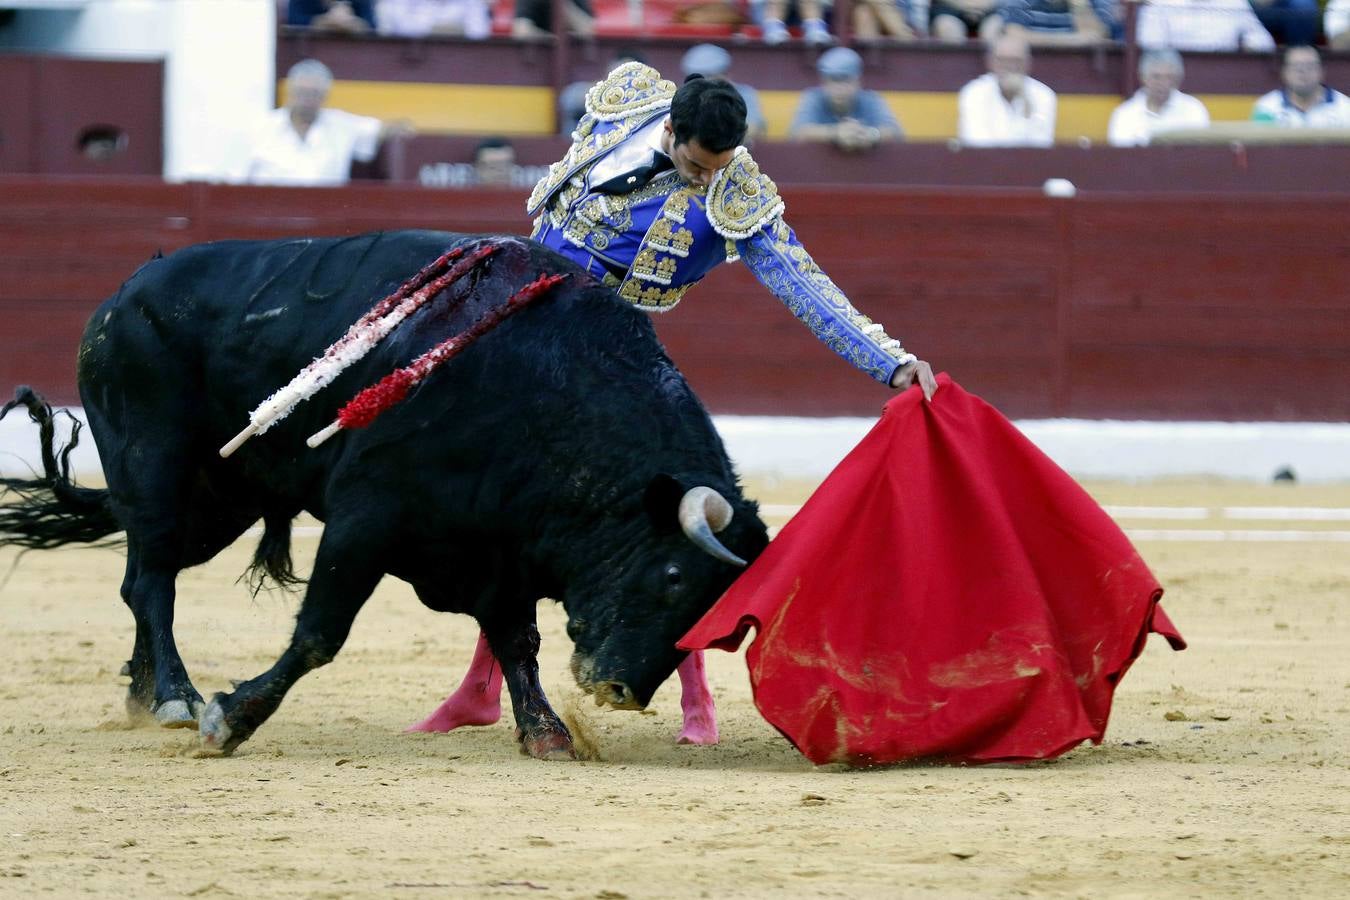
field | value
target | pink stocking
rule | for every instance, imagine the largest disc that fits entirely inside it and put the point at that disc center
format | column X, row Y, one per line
column 700, row 714
column 477, row 700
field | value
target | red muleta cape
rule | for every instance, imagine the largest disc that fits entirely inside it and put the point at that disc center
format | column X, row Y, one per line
column 948, row 593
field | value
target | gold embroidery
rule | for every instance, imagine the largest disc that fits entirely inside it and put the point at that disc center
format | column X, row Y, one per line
column 742, row 199
column 581, row 154
column 601, row 218
column 630, row 90
column 657, row 299
column 666, row 237
column 809, row 273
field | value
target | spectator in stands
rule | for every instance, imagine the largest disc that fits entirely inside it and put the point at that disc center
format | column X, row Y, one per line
column 1005, row 107
column 956, row 21
column 419, row 18
column 102, row 143
column 1158, row 105
column 572, row 99
column 1304, row 102
column 873, row 19
column 1336, row 25
column 494, row 160
column 1201, row 25
column 351, row 16
column 1060, row 23
column 304, row 143
column 773, row 17
column 839, row 111
column 534, row 18
column 1289, row 21
column 711, row 61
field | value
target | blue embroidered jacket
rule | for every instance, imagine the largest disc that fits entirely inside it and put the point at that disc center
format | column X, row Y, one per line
column 654, row 243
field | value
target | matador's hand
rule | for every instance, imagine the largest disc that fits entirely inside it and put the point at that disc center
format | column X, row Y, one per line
column 919, row 371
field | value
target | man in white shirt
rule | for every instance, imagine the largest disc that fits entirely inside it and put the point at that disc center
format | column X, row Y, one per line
column 419, row 18
column 1005, row 107
column 1158, row 105
column 1205, row 25
column 1304, row 102
column 303, row 143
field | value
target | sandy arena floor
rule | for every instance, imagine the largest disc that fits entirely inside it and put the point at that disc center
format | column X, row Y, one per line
column 1225, row 771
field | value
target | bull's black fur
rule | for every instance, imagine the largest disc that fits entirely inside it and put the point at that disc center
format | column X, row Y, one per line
column 543, row 461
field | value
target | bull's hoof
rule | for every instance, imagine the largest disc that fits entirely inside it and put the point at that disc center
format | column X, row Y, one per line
column 553, row 745
column 215, row 732
column 176, row 714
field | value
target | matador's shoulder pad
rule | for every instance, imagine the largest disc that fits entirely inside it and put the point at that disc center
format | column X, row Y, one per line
column 631, row 89
column 742, row 199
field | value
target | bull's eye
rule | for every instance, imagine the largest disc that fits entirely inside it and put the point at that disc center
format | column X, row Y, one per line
column 673, row 576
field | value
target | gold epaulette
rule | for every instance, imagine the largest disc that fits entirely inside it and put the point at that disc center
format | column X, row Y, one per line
column 742, row 199
column 630, row 90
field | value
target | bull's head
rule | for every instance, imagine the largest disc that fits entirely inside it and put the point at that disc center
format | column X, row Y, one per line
column 674, row 561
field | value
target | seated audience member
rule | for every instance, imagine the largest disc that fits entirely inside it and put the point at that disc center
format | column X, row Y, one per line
column 1201, row 25
column 419, row 18
column 1158, row 105
column 572, row 98
column 305, row 143
column 873, row 19
column 1060, row 23
column 534, row 18
column 352, row 16
column 1336, row 25
column 102, row 143
column 773, row 17
column 711, row 61
column 1289, row 21
column 1304, row 101
column 839, row 111
column 494, row 160
column 956, row 21
column 1005, row 107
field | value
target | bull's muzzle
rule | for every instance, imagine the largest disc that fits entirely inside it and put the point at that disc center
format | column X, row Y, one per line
column 616, row 694
column 606, row 693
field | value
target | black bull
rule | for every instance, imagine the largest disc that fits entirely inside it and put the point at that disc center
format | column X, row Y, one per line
column 548, row 460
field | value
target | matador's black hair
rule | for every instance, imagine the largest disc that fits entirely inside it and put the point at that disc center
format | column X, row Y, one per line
column 710, row 110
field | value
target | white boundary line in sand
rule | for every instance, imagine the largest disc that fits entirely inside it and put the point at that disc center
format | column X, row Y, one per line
column 1247, row 535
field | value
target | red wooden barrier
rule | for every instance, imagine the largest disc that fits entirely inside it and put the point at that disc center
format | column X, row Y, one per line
column 1163, row 306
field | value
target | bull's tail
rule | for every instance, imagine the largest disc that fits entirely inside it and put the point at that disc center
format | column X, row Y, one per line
column 51, row 511
column 272, row 558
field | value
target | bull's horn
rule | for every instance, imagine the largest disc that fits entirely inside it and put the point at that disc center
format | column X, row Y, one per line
column 703, row 512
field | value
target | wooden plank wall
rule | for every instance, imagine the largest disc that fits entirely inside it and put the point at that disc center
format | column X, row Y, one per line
column 1166, row 306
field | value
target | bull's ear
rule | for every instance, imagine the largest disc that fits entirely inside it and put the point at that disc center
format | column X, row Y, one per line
column 662, row 502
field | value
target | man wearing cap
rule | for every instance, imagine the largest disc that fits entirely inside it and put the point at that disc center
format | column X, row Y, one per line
column 654, row 193
column 711, row 61
column 840, row 112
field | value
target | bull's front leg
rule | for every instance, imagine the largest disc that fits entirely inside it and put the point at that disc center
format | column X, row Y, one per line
column 346, row 571
column 540, row 732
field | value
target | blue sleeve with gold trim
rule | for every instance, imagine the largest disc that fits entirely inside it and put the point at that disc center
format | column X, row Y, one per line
column 782, row 265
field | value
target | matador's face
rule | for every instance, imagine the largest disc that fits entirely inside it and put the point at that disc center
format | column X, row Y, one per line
column 695, row 163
